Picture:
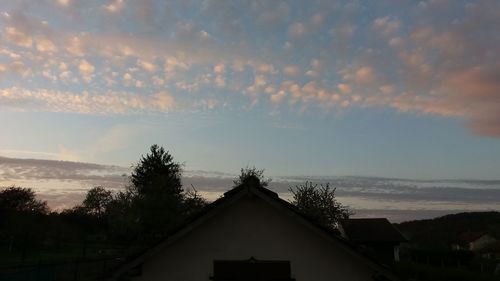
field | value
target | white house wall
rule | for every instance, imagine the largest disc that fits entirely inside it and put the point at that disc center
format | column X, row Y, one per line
column 254, row 228
column 481, row 242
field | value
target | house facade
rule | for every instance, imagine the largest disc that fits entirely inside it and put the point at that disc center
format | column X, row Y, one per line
column 473, row 241
column 252, row 234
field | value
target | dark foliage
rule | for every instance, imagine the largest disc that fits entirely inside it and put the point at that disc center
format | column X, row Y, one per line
column 84, row 223
column 122, row 216
column 193, row 202
column 417, row 271
column 157, row 174
column 18, row 199
column 251, row 173
column 97, row 200
column 441, row 232
column 105, row 223
column 319, row 203
column 156, row 201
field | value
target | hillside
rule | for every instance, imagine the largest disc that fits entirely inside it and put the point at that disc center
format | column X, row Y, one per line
column 442, row 231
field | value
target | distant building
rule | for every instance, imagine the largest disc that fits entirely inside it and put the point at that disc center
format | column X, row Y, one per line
column 473, row 241
column 252, row 234
column 375, row 236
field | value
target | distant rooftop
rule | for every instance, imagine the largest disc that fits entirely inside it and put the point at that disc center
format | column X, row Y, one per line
column 468, row 237
column 371, row 230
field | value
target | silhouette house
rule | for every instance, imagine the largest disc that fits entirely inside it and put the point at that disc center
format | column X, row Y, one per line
column 374, row 236
column 252, row 234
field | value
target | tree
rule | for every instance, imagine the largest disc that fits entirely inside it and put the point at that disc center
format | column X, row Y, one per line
column 123, row 216
column 157, row 173
column 152, row 204
column 97, row 200
column 249, row 173
column 193, row 202
column 18, row 199
column 319, row 203
column 157, row 191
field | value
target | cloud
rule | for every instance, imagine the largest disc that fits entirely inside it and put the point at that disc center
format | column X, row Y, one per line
column 148, row 66
column 387, row 89
column 278, row 97
column 220, row 81
column 386, row 26
column 85, row 103
column 15, row 36
column 219, row 68
column 74, row 46
column 174, row 64
column 114, row 6
column 291, row 70
column 260, row 80
column 271, row 14
column 18, row 67
column 86, row 70
column 447, row 71
column 263, row 67
column 475, row 93
column 415, row 62
column 318, row 19
column 63, row 3
column 45, row 45
column 66, row 154
column 163, row 101
column 344, row 88
column 62, row 183
column 364, row 74
column 13, row 169
column 127, row 78
column 297, row 31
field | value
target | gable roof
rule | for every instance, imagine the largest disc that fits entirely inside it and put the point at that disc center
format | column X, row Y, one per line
column 271, row 197
column 468, row 237
column 368, row 230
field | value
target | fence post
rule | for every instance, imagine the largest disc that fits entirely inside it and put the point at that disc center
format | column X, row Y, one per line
column 23, row 255
column 38, row 269
column 84, row 247
column 11, row 244
column 103, row 269
column 75, row 278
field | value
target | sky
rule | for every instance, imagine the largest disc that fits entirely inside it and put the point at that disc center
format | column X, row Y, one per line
column 392, row 89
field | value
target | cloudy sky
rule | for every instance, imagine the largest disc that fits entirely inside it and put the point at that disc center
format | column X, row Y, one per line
column 395, row 88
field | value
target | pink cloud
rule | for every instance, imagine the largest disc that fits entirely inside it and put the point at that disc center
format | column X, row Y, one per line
column 477, row 91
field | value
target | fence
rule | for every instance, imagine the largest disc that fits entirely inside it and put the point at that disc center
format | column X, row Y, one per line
column 24, row 259
column 74, row 270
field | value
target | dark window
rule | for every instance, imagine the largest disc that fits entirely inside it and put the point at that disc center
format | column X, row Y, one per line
column 251, row 270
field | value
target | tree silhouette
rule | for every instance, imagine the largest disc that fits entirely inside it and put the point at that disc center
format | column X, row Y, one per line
column 319, row 203
column 97, row 200
column 193, row 202
column 18, row 199
column 123, row 216
column 251, row 173
column 157, row 173
column 157, row 191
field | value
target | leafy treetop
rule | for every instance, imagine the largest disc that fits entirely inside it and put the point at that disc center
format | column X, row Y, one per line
column 319, row 203
column 18, row 199
column 251, row 173
column 97, row 200
column 156, row 173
